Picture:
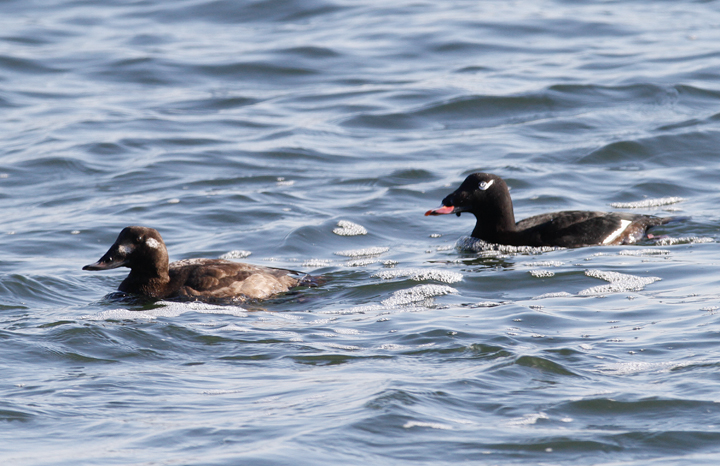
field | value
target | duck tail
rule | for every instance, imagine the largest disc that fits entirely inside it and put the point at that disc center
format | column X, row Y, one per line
column 312, row 281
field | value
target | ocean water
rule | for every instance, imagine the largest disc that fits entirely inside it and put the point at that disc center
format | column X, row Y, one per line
column 313, row 135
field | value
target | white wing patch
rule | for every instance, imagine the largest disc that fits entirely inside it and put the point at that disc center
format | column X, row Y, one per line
column 152, row 243
column 613, row 236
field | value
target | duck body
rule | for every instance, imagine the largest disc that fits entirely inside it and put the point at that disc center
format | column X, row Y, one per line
column 151, row 274
column 487, row 197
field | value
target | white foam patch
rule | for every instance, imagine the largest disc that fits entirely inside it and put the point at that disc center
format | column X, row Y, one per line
column 419, row 275
column 683, row 240
column 361, row 262
column 235, row 328
column 400, row 301
column 619, row 282
column 627, row 368
column 197, row 306
column 468, row 243
column 220, row 392
column 343, row 347
column 187, row 262
column 321, row 321
column 644, row 252
column 119, row 314
column 542, row 273
column 417, row 293
column 375, row 251
column 486, row 304
column 166, row 309
column 647, row 203
column 354, row 310
column 528, row 419
column 347, row 331
column 559, row 294
column 323, row 334
column 317, row 263
column 346, row 228
column 237, row 254
column 394, row 347
column 542, row 264
column 431, row 425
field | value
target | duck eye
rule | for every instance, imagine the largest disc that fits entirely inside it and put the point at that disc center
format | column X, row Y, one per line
column 484, row 185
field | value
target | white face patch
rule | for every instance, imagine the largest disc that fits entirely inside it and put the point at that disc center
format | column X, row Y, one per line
column 485, row 185
column 152, row 243
column 613, row 236
column 122, row 249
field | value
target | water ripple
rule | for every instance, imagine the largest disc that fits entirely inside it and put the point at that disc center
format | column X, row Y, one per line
column 315, row 134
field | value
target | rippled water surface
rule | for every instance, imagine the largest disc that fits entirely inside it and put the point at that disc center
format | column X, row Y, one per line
column 313, row 135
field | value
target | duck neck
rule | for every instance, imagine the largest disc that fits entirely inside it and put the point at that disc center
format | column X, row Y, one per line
column 145, row 280
column 495, row 223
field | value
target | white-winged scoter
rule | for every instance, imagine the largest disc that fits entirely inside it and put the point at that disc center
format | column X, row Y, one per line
column 143, row 251
column 487, row 197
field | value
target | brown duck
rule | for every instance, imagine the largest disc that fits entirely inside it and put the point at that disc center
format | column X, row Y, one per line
column 143, row 251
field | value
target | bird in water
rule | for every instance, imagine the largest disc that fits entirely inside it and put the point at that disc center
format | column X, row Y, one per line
column 487, row 197
column 143, row 251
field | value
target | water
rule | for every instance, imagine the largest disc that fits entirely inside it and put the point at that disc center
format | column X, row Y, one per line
column 313, row 135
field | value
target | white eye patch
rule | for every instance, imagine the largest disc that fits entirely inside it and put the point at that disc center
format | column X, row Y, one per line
column 485, row 185
column 152, row 243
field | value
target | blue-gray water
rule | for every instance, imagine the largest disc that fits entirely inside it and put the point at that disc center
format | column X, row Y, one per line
column 258, row 126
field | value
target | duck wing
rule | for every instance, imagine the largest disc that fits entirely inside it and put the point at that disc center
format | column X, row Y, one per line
column 583, row 228
column 223, row 279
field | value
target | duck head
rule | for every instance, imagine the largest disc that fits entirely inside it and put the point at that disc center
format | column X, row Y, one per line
column 480, row 194
column 135, row 247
